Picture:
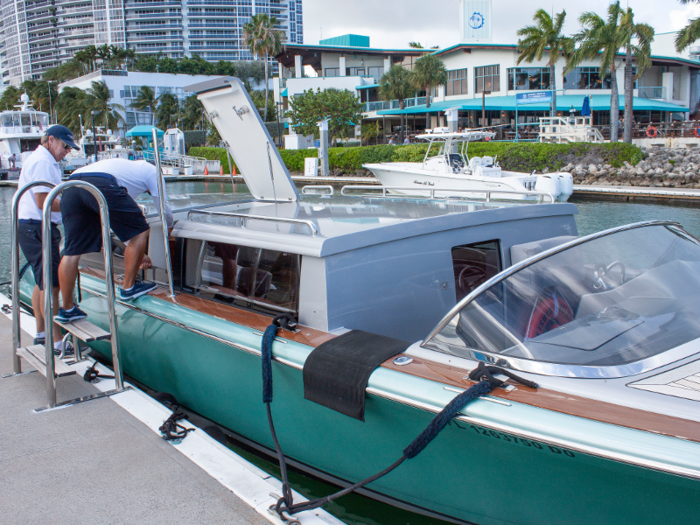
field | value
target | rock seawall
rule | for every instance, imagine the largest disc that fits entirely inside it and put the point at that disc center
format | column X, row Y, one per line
column 660, row 168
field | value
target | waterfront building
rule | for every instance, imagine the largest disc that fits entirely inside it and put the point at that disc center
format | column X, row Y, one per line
column 484, row 79
column 125, row 85
column 36, row 35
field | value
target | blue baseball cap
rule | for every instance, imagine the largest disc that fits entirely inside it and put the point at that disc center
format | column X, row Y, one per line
column 63, row 133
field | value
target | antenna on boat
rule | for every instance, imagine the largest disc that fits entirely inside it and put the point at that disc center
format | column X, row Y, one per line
column 272, row 176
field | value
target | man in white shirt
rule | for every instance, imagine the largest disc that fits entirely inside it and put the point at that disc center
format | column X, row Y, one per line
column 42, row 164
column 120, row 181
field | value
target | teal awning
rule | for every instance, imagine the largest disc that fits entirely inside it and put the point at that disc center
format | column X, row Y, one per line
column 368, row 86
column 143, row 131
column 284, row 93
column 564, row 103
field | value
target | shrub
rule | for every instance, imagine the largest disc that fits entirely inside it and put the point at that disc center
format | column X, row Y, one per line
column 524, row 157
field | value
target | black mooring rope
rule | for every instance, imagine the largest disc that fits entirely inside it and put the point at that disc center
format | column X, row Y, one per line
column 484, row 374
column 171, row 429
column 93, row 373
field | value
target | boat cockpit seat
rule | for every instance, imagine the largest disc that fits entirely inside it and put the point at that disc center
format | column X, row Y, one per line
column 520, row 252
column 487, row 162
column 456, row 162
column 475, row 162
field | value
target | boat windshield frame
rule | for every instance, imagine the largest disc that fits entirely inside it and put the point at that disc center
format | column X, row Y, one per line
column 559, row 369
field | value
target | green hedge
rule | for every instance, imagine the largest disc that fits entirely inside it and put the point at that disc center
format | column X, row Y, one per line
column 524, row 157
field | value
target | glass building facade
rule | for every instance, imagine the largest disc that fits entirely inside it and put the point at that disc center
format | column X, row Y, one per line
column 36, row 35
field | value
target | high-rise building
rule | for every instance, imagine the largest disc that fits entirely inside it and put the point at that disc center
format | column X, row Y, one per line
column 36, row 35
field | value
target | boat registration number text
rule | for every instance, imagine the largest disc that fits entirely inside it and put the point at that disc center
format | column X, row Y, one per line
column 494, row 434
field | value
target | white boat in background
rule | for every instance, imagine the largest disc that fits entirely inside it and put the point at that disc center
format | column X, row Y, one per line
column 20, row 133
column 446, row 166
column 108, row 146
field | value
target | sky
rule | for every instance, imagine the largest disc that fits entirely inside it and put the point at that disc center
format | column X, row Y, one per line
column 395, row 23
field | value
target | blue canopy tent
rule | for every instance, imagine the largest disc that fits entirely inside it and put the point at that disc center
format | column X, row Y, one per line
column 147, row 132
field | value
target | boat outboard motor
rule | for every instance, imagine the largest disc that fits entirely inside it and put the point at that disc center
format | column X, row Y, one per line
column 548, row 184
column 566, row 182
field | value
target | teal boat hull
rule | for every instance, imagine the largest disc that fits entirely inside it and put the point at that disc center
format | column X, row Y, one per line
column 471, row 472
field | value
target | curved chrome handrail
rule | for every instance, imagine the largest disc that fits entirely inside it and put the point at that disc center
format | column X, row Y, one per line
column 528, row 262
column 109, row 283
column 309, row 224
column 14, row 271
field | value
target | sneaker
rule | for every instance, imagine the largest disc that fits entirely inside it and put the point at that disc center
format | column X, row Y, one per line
column 140, row 288
column 70, row 315
column 69, row 350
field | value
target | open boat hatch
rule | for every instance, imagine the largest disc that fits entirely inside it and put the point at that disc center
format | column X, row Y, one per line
column 606, row 305
column 234, row 114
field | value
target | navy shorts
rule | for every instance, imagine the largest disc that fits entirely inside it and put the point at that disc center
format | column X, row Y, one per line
column 81, row 214
column 29, row 235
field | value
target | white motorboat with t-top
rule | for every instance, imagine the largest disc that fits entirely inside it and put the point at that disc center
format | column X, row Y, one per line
column 446, row 166
column 20, row 133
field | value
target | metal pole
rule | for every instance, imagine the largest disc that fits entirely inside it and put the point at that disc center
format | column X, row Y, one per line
column 48, row 84
column 516, row 121
column 14, row 244
column 161, row 190
column 94, row 135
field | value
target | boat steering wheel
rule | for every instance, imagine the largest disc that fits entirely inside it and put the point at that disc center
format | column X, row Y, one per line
column 601, row 271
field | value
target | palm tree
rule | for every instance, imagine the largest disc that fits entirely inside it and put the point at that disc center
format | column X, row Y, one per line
column 10, row 97
column 70, row 105
column 396, row 84
column 602, row 39
column 262, row 38
column 545, row 35
column 428, row 72
column 689, row 33
column 643, row 34
column 192, row 113
column 97, row 99
column 168, row 106
column 146, row 101
column 415, row 45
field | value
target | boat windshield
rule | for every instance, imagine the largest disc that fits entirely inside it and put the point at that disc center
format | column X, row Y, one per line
column 612, row 300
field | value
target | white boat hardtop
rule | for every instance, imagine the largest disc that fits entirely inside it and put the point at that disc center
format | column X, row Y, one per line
column 456, row 136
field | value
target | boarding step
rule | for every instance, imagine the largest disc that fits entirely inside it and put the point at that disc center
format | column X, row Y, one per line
column 85, row 330
column 35, row 355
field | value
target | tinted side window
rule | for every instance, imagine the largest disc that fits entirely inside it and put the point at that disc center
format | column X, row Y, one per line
column 265, row 280
column 474, row 264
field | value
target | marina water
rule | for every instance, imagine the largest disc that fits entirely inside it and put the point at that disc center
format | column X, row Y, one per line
column 353, row 509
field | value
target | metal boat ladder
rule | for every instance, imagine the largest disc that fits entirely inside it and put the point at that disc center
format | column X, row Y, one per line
column 41, row 357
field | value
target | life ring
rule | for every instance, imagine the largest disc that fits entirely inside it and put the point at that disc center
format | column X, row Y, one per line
column 549, row 312
column 487, row 138
column 651, row 132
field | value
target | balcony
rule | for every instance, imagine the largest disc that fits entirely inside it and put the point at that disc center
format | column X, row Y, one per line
column 210, row 13
column 212, row 2
column 152, row 27
column 138, row 16
column 133, row 38
column 139, row 5
column 212, row 24
column 653, row 92
column 36, row 5
column 382, row 105
column 213, row 47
